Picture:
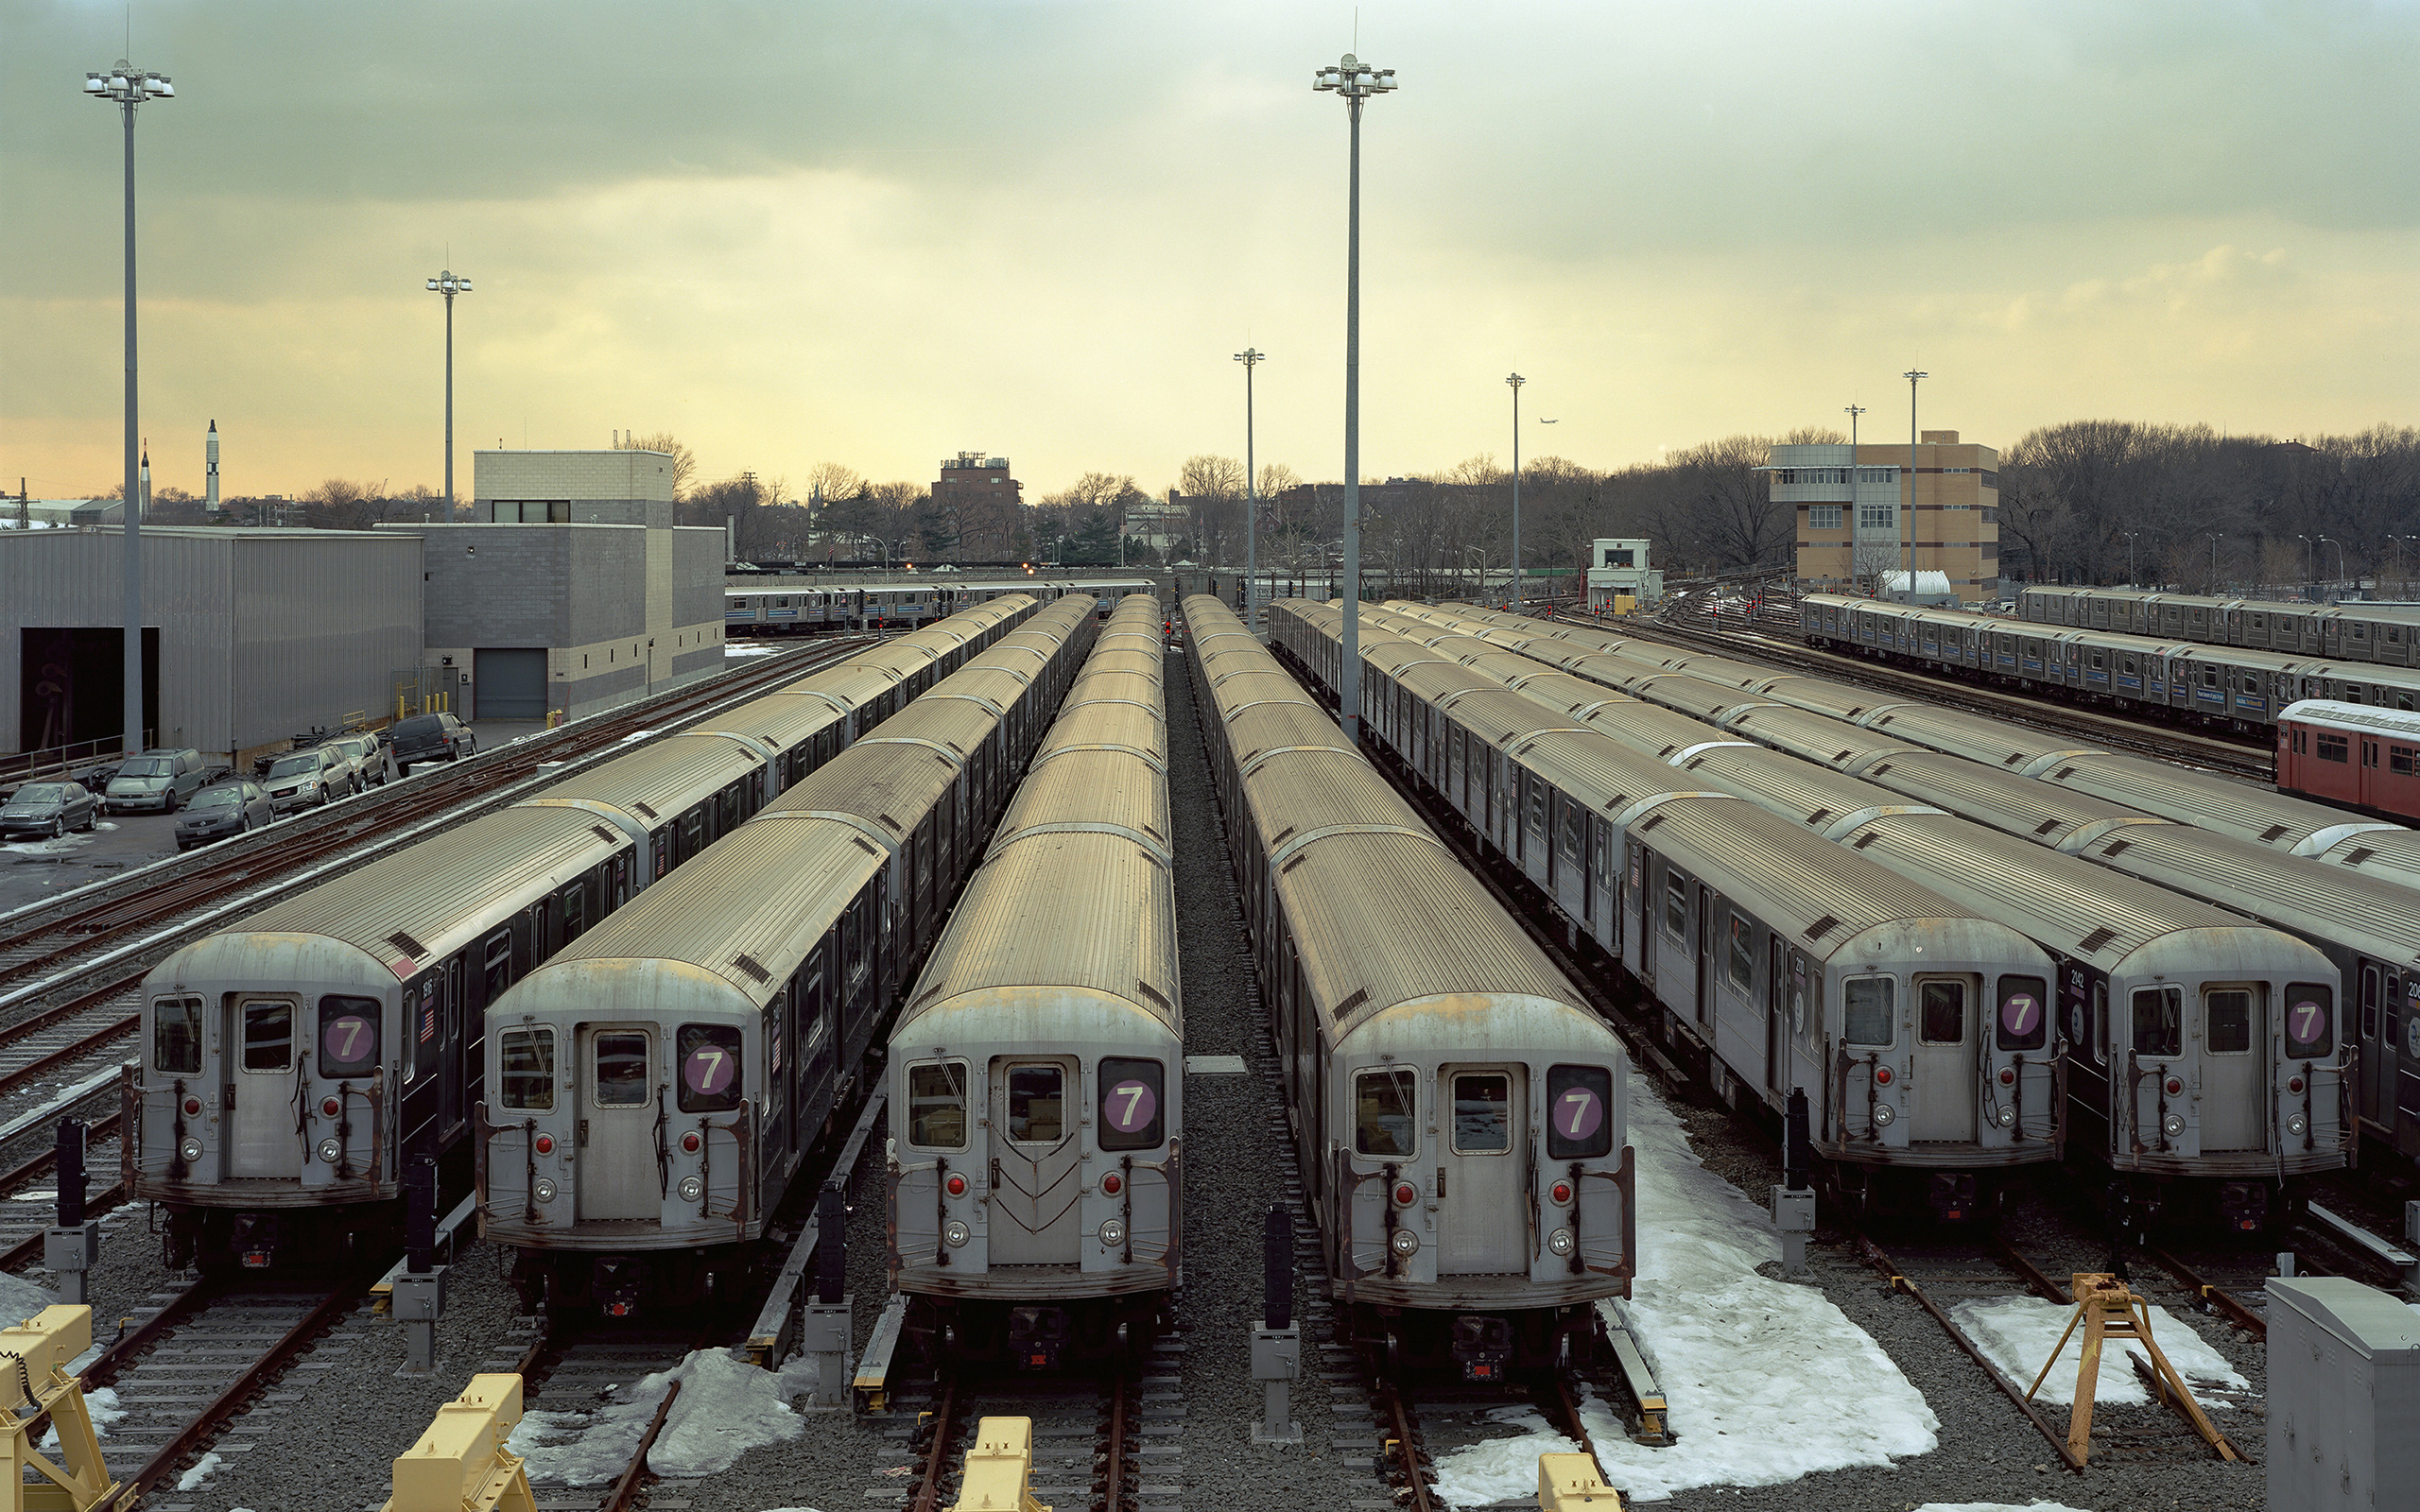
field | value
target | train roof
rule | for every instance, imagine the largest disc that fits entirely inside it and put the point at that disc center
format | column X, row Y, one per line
column 1266, row 727
column 657, row 781
column 2204, row 799
column 2017, row 805
column 2370, row 914
column 1798, row 790
column 2354, row 718
column 1993, row 742
column 1815, row 736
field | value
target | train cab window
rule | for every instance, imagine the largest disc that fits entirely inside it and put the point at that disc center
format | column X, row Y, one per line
column 1037, row 1103
column 2399, row 759
column 1133, row 1103
column 269, row 1035
column 1941, row 1013
column 2370, row 1002
column 2226, row 1015
column 348, row 1036
column 2159, row 1021
column 1482, row 1113
column 1382, row 1113
column 621, row 1069
column 2310, row 1019
column 936, row 1105
column 1580, row 1101
column 528, row 1058
column 1676, row 904
column 2333, row 747
column 1867, row 1011
column 2024, row 1016
column 709, row 1068
column 176, row 1034
column 1740, row 963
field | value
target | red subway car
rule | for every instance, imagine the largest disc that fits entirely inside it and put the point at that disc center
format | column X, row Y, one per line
column 2351, row 753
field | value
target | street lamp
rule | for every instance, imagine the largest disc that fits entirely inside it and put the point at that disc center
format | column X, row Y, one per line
column 1853, row 411
column 1251, row 357
column 2129, row 556
column 1482, row 568
column 1912, row 377
column 127, row 87
column 2340, row 559
column 1355, row 81
column 1515, row 381
column 2311, row 569
column 449, row 283
column 2216, row 536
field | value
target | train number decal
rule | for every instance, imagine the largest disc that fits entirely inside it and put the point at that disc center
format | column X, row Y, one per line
column 2305, row 1022
column 344, row 1038
column 1578, row 1113
column 2019, row 1013
column 709, row 1070
column 1131, row 1106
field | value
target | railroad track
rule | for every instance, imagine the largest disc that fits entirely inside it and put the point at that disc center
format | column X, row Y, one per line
column 1093, row 1437
column 578, row 1368
column 2181, row 748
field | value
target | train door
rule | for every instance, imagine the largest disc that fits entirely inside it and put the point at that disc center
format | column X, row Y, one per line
column 1943, row 1070
column 1705, row 956
column 618, row 1169
column 1034, row 1154
column 450, row 1111
column 261, row 1086
column 1776, row 1028
column 2234, row 1067
column 1482, row 1175
column 2376, row 1089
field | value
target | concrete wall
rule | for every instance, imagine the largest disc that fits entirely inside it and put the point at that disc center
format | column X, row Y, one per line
column 575, row 475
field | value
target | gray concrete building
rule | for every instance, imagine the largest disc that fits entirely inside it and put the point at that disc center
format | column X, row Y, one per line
column 249, row 635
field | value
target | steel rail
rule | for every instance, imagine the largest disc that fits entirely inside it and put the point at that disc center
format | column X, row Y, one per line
column 626, row 1490
column 2220, row 1301
column 1408, row 1455
column 927, row 1495
column 1113, row 1482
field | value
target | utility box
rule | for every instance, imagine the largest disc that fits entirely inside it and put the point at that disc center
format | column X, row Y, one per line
column 2343, row 1394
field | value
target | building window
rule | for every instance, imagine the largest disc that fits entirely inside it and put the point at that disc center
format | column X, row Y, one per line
column 1958, row 469
column 533, row 512
column 1878, row 474
column 1824, row 517
column 1872, row 515
column 1990, row 479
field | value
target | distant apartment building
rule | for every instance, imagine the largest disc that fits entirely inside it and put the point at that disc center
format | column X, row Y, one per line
column 970, row 477
column 1865, row 510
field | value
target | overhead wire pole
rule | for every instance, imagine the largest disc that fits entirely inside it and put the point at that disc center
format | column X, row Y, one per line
column 1355, row 81
column 449, row 283
column 1251, row 357
column 1516, row 381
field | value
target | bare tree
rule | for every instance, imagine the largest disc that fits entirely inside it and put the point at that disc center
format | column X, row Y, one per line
column 685, row 465
column 827, row 481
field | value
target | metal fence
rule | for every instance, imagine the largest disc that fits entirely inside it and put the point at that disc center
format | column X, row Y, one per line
column 60, row 761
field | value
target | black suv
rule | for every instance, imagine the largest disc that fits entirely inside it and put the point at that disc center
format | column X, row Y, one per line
column 429, row 738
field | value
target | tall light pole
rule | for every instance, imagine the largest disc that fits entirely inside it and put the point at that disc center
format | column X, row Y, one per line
column 2129, row 557
column 1913, row 378
column 1355, row 81
column 2340, row 557
column 2216, row 536
column 1514, row 382
column 1251, row 357
column 127, row 87
column 1853, row 411
column 449, row 283
column 2311, row 568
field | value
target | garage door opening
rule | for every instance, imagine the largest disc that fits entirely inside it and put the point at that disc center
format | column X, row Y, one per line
column 71, row 684
column 509, row 684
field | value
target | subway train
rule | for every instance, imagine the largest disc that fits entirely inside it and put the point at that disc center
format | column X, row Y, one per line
column 1776, row 959
column 658, row 1088
column 292, row 1065
column 2352, row 754
column 799, row 606
column 1036, row 1074
column 2351, row 631
column 1459, row 1112
column 2237, row 687
column 2219, row 1097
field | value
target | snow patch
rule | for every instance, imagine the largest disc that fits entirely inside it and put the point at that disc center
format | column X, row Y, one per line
column 1751, row 1367
column 101, row 1401
column 2017, row 1332
column 20, row 1298
column 1999, row 1507
column 726, row 1408
column 202, row 1470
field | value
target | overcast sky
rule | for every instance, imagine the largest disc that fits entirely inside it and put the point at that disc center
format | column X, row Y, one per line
column 884, row 232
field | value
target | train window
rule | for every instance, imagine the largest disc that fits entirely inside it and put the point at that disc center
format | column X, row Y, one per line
column 500, row 962
column 2024, row 1017
column 269, row 1035
column 1579, row 1123
column 1867, row 1011
column 2369, row 1003
column 176, row 1034
column 1133, row 1103
column 2159, row 1021
column 2226, row 1015
column 575, row 900
column 1676, row 904
column 2310, row 1019
column 528, row 1058
column 709, row 1068
column 2399, row 757
column 2334, row 748
column 348, row 1036
column 2099, row 1029
column 1037, row 1103
column 2209, row 677
column 1941, row 1013
column 1482, row 1113
column 1740, row 963
column 621, row 1069
column 1382, row 1113
column 936, row 1105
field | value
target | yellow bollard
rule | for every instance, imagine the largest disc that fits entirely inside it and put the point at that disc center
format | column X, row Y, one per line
column 1570, row 1481
column 999, row 1468
column 460, row 1465
column 34, row 1380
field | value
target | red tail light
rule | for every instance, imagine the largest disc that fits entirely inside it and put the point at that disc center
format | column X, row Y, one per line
column 193, row 1107
column 956, row 1186
column 1882, row 1075
column 1112, row 1184
column 2174, row 1087
column 2008, row 1077
column 2294, row 1085
column 1561, row 1193
column 1405, row 1193
column 689, row 1143
column 546, row 1144
column 330, row 1107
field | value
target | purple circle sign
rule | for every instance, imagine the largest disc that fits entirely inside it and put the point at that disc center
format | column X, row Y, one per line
column 2019, row 1013
column 346, row 1039
column 709, row 1070
column 1130, row 1105
column 2306, row 1023
column 1578, row 1112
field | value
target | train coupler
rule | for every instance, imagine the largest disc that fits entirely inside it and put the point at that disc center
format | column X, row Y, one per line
column 252, row 1240
column 1482, row 1347
column 1952, row 1196
column 2243, row 1206
column 617, row 1281
column 1038, row 1337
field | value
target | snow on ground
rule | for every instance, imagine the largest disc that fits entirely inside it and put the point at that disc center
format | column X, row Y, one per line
column 201, row 1470
column 1999, row 1506
column 59, row 847
column 1749, row 1364
column 726, row 1408
column 21, row 1299
column 735, row 649
column 2017, row 1333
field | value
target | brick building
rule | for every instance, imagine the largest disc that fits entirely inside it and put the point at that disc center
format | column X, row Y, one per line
column 1865, row 510
column 970, row 478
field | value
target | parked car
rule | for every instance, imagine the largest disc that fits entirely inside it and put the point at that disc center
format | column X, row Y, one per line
column 159, row 779
column 238, row 806
column 368, row 756
column 48, row 808
column 429, row 738
column 303, row 779
column 217, row 774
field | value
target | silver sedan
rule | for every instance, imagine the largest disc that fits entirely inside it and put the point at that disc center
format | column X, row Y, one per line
column 48, row 808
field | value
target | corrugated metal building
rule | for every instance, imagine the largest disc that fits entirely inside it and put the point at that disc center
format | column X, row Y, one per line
column 253, row 634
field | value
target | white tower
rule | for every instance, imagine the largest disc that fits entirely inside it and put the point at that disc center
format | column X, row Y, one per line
column 211, row 470
column 146, row 480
